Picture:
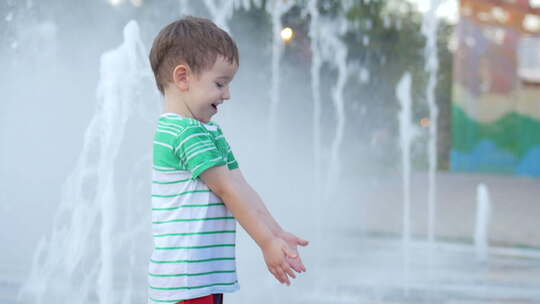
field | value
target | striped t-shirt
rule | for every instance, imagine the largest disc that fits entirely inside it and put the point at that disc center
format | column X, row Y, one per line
column 194, row 232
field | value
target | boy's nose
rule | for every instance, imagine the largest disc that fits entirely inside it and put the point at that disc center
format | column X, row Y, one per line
column 226, row 94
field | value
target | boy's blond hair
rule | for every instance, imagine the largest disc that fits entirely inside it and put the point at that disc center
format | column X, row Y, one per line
column 193, row 41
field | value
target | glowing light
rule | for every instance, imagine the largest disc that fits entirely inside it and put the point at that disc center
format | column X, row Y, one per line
column 534, row 3
column 115, row 2
column 499, row 14
column 531, row 23
column 137, row 3
column 287, row 34
column 425, row 122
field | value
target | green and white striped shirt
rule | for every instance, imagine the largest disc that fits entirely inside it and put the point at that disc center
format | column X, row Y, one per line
column 194, row 232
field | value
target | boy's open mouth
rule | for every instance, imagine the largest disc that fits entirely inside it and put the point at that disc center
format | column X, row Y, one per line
column 214, row 105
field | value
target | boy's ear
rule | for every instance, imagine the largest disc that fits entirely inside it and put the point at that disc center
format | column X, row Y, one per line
column 181, row 75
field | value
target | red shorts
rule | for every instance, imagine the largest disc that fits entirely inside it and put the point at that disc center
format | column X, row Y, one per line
column 216, row 298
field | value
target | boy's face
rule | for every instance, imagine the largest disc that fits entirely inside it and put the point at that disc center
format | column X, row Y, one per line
column 210, row 88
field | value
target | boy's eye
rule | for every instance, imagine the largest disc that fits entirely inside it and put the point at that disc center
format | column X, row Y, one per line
column 219, row 85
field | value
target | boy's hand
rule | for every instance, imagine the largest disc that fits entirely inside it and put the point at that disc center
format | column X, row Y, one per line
column 275, row 254
column 293, row 241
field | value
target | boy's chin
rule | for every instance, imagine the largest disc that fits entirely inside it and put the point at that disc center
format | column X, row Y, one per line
column 204, row 118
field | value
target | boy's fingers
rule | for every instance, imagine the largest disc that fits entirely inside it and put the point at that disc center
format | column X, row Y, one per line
column 290, row 253
column 302, row 242
column 296, row 264
column 301, row 265
column 274, row 273
column 298, row 240
column 283, row 276
column 297, row 267
column 289, row 271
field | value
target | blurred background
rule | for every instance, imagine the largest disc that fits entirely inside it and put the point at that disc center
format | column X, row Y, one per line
column 400, row 137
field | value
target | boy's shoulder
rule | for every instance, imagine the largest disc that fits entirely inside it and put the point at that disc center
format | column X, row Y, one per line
column 185, row 122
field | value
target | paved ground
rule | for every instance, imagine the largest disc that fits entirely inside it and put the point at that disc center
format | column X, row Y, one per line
column 348, row 269
column 359, row 257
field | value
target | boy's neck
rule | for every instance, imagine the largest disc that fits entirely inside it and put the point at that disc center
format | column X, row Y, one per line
column 174, row 104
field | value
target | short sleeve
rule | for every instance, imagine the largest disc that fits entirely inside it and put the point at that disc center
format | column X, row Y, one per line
column 231, row 161
column 197, row 150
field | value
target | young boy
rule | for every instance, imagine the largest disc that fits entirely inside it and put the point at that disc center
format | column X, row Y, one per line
column 198, row 191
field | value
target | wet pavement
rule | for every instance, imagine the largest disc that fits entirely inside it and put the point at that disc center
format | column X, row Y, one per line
column 356, row 254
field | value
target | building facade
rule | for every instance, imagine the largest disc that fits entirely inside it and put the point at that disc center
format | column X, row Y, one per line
column 496, row 88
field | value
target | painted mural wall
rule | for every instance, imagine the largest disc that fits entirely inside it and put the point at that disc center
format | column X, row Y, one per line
column 496, row 88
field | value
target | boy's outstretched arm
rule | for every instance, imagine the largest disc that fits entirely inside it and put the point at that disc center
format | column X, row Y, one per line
column 292, row 240
column 238, row 199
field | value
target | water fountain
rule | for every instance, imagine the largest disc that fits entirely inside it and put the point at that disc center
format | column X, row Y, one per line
column 483, row 215
column 429, row 29
column 81, row 261
column 316, row 63
column 406, row 135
